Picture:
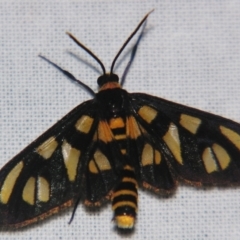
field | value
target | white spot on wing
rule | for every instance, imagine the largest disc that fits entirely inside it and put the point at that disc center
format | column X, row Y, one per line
column 71, row 158
column 101, row 161
column 43, row 189
column 209, row 161
column 171, row 138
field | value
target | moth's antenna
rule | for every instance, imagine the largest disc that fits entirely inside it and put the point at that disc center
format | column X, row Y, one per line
column 87, row 50
column 133, row 54
column 69, row 75
column 127, row 41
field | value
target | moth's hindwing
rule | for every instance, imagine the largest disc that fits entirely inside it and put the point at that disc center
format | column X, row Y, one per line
column 150, row 163
column 48, row 174
column 198, row 147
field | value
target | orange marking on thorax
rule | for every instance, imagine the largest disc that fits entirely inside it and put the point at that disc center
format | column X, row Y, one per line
column 110, row 85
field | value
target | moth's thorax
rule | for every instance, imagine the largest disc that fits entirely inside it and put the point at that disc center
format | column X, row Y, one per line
column 113, row 103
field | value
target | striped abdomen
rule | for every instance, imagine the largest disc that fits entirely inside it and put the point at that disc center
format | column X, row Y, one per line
column 124, row 199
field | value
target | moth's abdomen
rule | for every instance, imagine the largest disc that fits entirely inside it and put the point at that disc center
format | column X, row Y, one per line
column 124, row 199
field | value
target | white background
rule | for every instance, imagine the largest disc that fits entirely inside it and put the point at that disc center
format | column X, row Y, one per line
column 190, row 54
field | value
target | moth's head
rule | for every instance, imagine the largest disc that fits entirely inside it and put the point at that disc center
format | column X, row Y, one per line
column 107, row 78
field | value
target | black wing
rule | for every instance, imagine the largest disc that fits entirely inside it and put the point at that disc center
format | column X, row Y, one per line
column 67, row 163
column 198, row 147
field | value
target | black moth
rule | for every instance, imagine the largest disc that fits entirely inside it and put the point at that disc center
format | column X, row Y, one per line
column 108, row 146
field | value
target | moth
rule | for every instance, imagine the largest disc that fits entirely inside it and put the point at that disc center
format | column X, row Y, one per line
column 107, row 147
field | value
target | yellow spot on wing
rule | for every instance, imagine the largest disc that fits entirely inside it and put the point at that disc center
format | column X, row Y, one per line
column 9, row 182
column 171, row 138
column 209, row 161
column 47, row 148
column 116, row 123
column 43, row 189
column 190, row 123
column 84, row 124
column 28, row 193
column 158, row 157
column 92, row 167
column 222, row 156
column 71, row 158
column 147, row 113
column 104, row 132
column 231, row 136
column 147, row 155
column 123, row 151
